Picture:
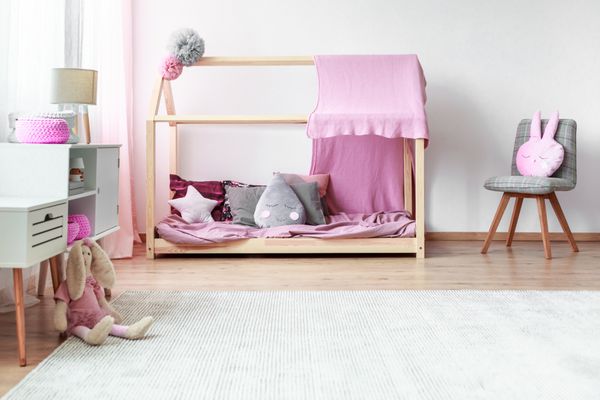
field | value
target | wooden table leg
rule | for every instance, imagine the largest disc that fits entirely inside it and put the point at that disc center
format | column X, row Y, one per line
column 54, row 271
column 20, row 314
column 42, row 278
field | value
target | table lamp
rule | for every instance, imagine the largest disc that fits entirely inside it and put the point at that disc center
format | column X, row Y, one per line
column 76, row 87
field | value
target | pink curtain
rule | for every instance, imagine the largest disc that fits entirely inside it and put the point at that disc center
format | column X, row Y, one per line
column 107, row 46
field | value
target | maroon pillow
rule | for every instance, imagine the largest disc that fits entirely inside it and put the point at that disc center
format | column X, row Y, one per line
column 213, row 190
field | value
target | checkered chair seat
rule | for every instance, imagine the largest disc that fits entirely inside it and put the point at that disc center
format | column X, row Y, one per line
column 565, row 178
column 527, row 184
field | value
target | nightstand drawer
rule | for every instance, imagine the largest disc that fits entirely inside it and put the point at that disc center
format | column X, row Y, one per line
column 47, row 219
column 32, row 230
column 48, row 230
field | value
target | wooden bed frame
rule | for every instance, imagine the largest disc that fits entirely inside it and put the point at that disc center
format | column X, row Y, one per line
column 156, row 246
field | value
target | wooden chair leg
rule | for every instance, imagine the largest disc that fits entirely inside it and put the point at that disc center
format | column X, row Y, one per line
column 513, row 220
column 20, row 314
column 563, row 220
column 42, row 278
column 541, row 203
column 495, row 222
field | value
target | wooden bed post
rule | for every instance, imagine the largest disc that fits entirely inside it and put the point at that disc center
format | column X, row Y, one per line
column 151, row 167
column 173, row 136
column 408, row 176
column 420, row 196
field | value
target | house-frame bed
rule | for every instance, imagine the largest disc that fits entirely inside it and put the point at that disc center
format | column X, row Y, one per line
column 414, row 195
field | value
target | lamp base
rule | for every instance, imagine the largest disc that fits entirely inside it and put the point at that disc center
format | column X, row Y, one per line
column 75, row 136
column 86, row 125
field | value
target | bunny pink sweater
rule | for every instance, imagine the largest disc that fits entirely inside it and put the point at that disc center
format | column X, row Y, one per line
column 86, row 310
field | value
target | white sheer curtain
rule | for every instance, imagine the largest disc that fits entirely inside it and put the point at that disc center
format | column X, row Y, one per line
column 31, row 42
column 106, row 45
column 36, row 36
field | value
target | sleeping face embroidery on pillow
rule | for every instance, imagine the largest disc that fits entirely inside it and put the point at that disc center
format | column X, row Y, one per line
column 540, row 156
column 279, row 206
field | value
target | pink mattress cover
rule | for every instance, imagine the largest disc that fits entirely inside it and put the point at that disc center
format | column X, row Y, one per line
column 340, row 226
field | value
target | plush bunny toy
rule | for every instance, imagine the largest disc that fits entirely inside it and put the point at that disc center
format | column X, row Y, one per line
column 81, row 308
column 540, row 156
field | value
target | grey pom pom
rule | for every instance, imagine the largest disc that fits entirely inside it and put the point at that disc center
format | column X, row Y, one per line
column 187, row 45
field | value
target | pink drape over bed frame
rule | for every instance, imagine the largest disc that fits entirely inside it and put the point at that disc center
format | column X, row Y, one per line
column 367, row 106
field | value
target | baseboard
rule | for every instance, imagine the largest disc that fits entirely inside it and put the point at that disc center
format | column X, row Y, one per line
column 480, row 236
column 519, row 236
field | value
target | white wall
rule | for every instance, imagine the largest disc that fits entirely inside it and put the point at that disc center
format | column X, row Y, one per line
column 488, row 64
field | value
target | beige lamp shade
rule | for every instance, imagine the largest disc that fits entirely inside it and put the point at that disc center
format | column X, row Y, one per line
column 73, row 86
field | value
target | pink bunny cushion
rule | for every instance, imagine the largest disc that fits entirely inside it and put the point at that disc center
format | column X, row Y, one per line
column 540, row 156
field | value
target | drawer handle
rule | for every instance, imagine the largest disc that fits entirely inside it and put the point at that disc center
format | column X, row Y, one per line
column 48, row 217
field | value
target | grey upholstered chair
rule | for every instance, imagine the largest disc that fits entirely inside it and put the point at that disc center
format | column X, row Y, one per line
column 540, row 188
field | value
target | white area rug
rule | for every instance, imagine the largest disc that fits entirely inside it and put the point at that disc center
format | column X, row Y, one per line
column 338, row 345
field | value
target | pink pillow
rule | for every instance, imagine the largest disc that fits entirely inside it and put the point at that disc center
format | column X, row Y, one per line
column 540, row 156
column 321, row 179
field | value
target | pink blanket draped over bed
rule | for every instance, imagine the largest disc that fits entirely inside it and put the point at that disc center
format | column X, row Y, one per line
column 367, row 106
column 343, row 226
column 380, row 95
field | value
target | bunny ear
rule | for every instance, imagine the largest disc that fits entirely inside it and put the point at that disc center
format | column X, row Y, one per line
column 76, row 271
column 550, row 130
column 536, row 126
column 102, row 268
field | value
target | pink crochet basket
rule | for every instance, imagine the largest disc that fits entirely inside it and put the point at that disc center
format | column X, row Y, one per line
column 72, row 232
column 42, row 130
column 84, row 225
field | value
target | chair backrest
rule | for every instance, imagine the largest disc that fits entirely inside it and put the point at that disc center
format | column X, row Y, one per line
column 565, row 135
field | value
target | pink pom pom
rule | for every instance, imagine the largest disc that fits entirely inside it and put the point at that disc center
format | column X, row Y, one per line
column 171, row 68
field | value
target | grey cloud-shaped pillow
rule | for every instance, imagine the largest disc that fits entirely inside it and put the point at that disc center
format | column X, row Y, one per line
column 279, row 205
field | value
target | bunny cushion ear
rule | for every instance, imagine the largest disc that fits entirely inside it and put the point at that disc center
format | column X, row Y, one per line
column 551, row 127
column 536, row 126
column 76, row 270
column 540, row 156
column 102, row 268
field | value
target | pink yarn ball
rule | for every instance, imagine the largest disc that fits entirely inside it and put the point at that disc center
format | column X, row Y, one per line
column 171, row 68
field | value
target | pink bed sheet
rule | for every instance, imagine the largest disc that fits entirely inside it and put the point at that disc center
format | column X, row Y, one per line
column 340, row 226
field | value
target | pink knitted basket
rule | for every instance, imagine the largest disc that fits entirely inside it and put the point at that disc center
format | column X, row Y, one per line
column 84, row 225
column 42, row 130
column 72, row 232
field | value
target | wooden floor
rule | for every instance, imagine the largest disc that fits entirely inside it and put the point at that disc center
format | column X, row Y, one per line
column 449, row 265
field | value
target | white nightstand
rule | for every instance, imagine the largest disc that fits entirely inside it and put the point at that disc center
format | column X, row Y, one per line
column 42, row 170
column 34, row 177
column 37, row 231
